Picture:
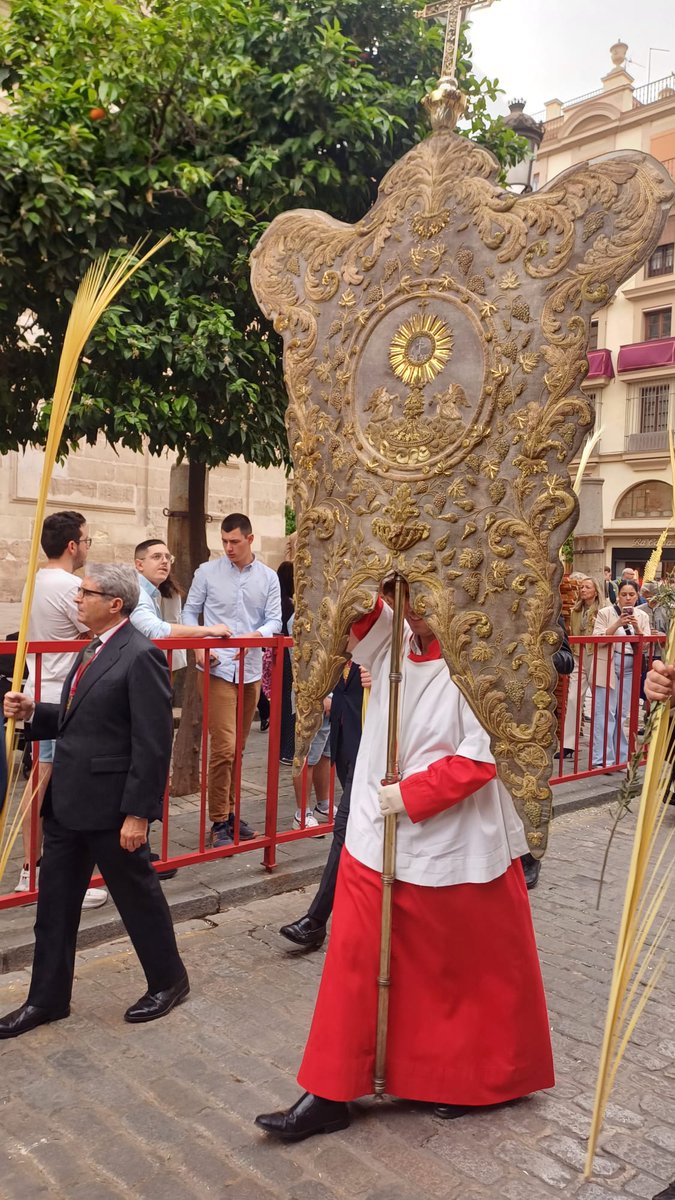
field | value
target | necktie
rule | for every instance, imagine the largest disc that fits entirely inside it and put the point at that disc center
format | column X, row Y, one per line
column 87, row 655
column 90, row 650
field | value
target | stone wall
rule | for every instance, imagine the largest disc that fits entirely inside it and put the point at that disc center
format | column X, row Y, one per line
column 123, row 496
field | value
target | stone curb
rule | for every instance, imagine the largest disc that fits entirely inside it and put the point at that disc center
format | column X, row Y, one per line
column 191, row 897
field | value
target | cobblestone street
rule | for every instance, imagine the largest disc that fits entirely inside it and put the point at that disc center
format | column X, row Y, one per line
column 92, row 1107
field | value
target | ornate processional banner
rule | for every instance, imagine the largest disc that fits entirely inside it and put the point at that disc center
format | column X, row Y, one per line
column 433, row 354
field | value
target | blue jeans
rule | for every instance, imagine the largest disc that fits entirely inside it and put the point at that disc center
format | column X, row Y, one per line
column 615, row 719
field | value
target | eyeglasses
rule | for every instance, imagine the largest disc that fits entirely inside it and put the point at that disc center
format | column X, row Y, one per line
column 82, row 592
column 87, row 541
column 170, row 558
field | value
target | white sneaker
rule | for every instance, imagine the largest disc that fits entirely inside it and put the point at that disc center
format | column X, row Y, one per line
column 24, row 879
column 310, row 820
column 94, row 897
column 322, row 809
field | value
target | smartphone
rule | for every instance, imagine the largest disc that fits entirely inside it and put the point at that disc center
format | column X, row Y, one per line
column 627, row 611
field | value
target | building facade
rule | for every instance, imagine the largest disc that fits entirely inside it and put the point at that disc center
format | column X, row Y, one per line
column 631, row 374
column 126, row 497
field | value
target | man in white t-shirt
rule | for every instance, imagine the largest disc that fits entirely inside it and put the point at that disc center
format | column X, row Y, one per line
column 54, row 618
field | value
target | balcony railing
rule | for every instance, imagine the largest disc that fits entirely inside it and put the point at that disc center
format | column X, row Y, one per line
column 651, row 93
column 650, row 413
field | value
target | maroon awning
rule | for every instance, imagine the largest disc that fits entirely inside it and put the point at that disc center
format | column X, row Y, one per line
column 658, row 353
column 600, row 364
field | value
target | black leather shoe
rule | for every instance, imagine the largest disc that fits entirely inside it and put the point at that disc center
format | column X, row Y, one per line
column 309, row 1115
column 306, row 932
column 667, row 1194
column 450, row 1112
column 29, row 1016
column 531, row 869
column 151, row 1006
column 164, row 874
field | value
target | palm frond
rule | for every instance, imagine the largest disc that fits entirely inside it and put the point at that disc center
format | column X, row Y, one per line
column 100, row 285
column 639, row 960
column 583, row 462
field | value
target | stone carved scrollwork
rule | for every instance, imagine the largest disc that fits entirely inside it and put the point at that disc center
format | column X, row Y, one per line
column 433, row 353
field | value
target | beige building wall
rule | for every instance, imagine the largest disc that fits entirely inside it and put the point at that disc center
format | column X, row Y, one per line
column 634, row 408
column 124, row 496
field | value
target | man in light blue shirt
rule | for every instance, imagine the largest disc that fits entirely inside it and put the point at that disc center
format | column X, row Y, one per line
column 153, row 561
column 242, row 593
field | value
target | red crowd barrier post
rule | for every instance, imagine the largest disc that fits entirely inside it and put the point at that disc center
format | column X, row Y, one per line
column 634, row 714
column 239, row 748
column 205, row 753
column 273, row 752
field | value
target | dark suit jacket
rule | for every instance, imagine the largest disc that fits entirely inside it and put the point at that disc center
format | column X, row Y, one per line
column 345, row 716
column 113, row 743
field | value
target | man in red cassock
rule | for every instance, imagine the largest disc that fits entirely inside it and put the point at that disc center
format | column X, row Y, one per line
column 468, row 1025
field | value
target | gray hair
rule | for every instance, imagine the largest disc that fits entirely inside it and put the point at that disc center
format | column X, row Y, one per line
column 651, row 588
column 117, row 579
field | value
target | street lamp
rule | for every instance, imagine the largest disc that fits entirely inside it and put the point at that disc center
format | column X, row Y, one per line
column 519, row 178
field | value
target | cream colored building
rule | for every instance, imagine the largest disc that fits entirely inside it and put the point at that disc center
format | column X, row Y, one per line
column 632, row 354
column 125, row 498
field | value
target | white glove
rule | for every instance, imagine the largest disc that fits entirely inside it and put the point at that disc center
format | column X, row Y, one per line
column 391, row 800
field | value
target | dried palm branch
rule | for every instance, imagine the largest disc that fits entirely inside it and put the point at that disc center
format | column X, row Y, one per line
column 100, row 285
column 655, row 556
column 583, row 461
column 639, row 959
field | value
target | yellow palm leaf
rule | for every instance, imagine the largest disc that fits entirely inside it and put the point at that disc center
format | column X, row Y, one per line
column 639, row 962
column 100, row 285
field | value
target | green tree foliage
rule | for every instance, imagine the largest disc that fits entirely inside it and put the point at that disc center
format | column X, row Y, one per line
column 206, row 118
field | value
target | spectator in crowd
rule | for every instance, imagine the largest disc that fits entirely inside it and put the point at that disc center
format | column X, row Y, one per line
column 346, row 717
column 241, row 593
column 610, row 586
column 158, row 596
column 287, row 590
column 114, row 732
column 582, row 623
column 153, row 561
column 629, row 575
column 659, row 620
column 615, row 672
column 54, row 618
column 317, row 774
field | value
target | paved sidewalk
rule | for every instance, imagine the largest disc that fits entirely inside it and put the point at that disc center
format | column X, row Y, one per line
column 91, row 1107
column 209, row 888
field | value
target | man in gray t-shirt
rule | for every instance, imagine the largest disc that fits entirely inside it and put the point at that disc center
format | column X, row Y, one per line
column 54, row 618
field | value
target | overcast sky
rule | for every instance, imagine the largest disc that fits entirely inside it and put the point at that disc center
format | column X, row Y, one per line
column 541, row 49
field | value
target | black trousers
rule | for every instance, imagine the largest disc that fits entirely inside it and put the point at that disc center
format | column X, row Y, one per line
column 322, row 904
column 287, row 740
column 68, row 858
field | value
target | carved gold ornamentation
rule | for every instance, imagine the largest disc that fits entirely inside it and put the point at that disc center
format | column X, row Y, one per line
column 448, row 462
column 420, row 348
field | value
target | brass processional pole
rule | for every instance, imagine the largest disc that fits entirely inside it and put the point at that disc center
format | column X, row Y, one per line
column 389, row 849
column 453, row 12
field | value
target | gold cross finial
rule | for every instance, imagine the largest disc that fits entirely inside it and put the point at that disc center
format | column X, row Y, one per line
column 455, row 11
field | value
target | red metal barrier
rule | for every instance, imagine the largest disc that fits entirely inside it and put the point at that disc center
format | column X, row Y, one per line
column 626, row 701
column 610, row 708
column 272, row 835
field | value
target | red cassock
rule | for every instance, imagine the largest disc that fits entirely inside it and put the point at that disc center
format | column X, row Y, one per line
column 467, row 1013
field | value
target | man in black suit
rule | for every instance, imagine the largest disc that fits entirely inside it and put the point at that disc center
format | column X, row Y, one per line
column 114, row 732
column 346, row 718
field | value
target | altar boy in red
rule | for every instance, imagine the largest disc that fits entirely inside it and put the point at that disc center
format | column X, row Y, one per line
column 468, row 1025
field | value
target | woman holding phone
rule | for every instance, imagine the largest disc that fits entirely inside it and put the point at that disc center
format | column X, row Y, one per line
column 615, row 672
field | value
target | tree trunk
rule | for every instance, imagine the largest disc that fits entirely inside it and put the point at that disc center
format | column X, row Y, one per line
column 186, row 537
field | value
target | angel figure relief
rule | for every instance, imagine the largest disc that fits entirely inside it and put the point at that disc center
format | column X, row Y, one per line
column 434, row 409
